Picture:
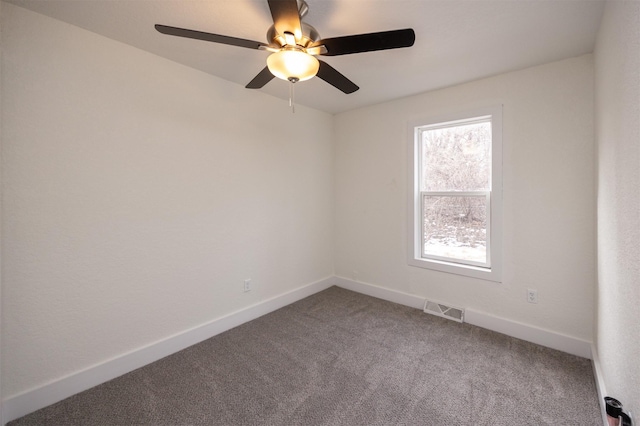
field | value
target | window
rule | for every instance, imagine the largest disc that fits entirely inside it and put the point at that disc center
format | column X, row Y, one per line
column 456, row 179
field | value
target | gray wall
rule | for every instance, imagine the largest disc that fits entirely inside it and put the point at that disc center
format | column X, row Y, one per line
column 549, row 199
column 139, row 194
column 617, row 61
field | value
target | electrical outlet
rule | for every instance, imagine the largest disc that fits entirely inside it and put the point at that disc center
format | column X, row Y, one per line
column 532, row 295
column 247, row 285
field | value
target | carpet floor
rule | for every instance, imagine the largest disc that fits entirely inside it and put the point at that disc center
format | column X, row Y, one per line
column 343, row 358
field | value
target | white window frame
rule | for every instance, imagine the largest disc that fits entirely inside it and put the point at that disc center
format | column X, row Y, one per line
column 492, row 270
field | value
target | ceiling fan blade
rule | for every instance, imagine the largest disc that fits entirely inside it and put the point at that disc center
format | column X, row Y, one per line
column 216, row 38
column 367, row 42
column 286, row 17
column 334, row 78
column 261, row 79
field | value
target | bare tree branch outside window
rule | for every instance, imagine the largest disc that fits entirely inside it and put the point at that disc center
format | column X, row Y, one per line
column 456, row 159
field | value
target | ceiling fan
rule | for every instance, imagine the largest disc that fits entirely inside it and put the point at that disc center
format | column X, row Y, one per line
column 294, row 46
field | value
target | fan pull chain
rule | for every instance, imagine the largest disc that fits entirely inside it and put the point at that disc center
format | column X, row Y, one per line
column 292, row 81
column 292, row 93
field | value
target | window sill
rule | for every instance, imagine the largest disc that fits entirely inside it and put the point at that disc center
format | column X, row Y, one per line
column 487, row 274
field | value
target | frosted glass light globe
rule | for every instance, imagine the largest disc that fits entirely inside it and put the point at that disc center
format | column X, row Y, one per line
column 293, row 65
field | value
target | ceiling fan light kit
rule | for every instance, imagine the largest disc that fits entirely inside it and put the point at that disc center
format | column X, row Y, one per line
column 295, row 44
column 293, row 65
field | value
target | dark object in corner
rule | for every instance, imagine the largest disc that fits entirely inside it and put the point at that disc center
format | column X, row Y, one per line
column 615, row 413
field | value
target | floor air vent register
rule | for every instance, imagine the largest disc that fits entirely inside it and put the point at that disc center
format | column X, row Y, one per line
column 444, row 311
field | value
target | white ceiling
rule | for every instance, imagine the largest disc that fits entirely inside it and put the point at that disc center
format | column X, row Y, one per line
column 456, row 40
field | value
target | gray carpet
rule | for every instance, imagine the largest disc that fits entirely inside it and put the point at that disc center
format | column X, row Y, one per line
column 342, row 358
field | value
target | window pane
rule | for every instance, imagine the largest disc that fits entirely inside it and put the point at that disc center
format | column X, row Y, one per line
column 457, row 158
column 455, row 227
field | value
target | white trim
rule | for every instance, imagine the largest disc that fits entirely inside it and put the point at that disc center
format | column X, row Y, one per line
column 530, row 333
column 600, row 385
column 511, row 328
column 394, row 296
column 35, row 399
column 494, row 238
column 59, row 389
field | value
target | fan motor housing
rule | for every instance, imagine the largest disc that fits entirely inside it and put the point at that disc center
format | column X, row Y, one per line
column 309, row 35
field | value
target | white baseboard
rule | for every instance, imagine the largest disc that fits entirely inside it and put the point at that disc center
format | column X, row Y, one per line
column 530, row 333
column 600, row 386
column 381, row 292
column 35, row 399
column 522, row 331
